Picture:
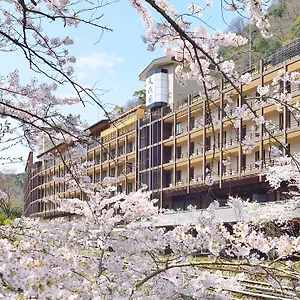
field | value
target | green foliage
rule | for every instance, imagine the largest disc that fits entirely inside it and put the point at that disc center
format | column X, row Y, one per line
column 266, row 46
column 10, row 214
column 296, row 27
column 3, row 218
column 141, row 95
column 140, row 98
column 16, row 211
column 287, row 39
column 115, row 112
column 277, row 11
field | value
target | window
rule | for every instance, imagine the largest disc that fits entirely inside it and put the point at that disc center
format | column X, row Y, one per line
column 130, row 147
column 288, row 119
column 244, row 131
column 113, row 172
column 224, row 138
column 220, row 165
column 155, row 182
column 113, row 153
column 288, row 87
column 144, row 159
column 288, row 150
column 207, row 118
column 104, row 174
column 119, row 188
column 129, row 167
column 256, row 158
column 168, row 178
column 178, row 152
column 156, row 132
column 192, row 173
column 129, row 187
column 104, row 156
column 179, row 128
column 156, row 156
column 243, row 162
column 281, row 121
column 121, row 149
column 192, row 148
column 120, row 170
column 144, row 137
column 178, row 176
column 219, row 114
column 219, row 139
column 281, row 87
column 207, row 143
column 145, row 178
column 192, row 122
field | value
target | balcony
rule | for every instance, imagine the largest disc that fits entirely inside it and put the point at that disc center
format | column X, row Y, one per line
column 275, row 130
column 130, row 170
column 182, row 156
column 121, row 152
column 289, row 51
column 233, row 142
column 231, row 172
column 176, row 184
column 196, row 179
column 224, row 213
column 168, row 109
column 130, row 149
column 196, row 152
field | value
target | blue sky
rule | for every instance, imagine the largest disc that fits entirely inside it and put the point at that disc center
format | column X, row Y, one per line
column 113, row 63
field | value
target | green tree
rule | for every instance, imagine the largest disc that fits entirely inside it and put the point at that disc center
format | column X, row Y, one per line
column 296, row 27
column 115, row 112
column 141, row 95
column 266, row 46
column 277, row 11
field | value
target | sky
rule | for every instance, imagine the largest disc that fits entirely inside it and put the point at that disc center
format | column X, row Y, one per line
column 113, row 63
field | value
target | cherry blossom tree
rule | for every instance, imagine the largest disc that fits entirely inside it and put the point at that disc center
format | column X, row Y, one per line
column 34, row 106
column 108, row 250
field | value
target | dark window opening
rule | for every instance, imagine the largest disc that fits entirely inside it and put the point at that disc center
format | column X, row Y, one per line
column 244, row 131
column 178, row 176
column 207, row 143
column 280, row 121
column 179, row 152
column 192, row 122
column 288, row 119
column 288, row 87
column 192, row 148
column 192, row 172
column 243, row 162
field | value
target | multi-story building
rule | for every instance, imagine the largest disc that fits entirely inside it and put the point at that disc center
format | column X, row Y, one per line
column 180, row 137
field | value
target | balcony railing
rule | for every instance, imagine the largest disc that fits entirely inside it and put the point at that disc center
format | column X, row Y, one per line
column 289, row 51
column 196, row 152
column 196, row 179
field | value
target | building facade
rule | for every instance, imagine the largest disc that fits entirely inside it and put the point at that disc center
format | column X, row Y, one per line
column 179, row 138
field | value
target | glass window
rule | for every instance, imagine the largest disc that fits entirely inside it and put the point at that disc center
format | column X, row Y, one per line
column 179, row 128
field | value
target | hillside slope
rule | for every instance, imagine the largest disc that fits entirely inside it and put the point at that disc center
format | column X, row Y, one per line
column 284, row 18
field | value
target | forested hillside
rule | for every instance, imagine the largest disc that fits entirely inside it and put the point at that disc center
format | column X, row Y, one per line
column 284, row 18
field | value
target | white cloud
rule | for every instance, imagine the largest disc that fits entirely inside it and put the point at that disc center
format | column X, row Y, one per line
column 99, row 60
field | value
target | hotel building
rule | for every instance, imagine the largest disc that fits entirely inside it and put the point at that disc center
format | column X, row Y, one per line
column 179, row 137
